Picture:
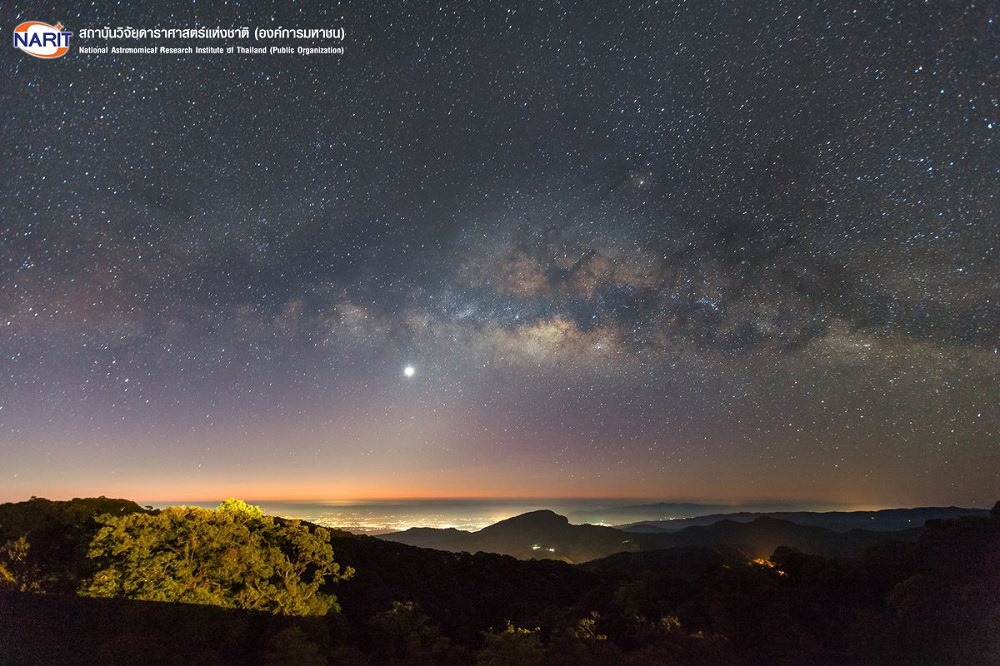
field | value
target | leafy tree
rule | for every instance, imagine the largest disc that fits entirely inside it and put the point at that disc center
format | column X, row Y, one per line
column 582, row 645
column 16, row 573
column 239, row 507
column 233, row 557
column 405, row 635
column 59, row 534
column 586, row 628
column 511, row 646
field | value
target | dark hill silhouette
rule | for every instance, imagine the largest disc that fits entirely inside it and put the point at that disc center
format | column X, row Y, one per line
column 59, row 533
column 760, row 537
column 656, row 511
column 453, row 586
column 648, row 528
column 543, row 519
column 839, row 521
column 544, row 534
column 534, row 535
column 684, row 562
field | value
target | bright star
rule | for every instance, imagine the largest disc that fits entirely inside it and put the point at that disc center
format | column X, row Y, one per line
column 409, row 371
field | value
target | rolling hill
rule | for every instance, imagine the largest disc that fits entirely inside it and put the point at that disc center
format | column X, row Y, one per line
column 547, row 535
column 882, row 520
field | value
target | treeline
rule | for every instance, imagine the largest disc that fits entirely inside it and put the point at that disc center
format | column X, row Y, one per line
column 282, row 592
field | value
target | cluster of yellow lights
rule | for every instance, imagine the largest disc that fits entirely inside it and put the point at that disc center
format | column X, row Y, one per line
column 760, row 561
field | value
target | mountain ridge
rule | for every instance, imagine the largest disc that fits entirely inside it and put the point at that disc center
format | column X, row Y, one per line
column 840, row 521
column 547, row 535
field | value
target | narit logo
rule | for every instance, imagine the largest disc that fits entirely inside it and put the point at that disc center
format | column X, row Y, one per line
column 41, row 39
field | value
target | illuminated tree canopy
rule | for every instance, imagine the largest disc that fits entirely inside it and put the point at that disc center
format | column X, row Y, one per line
column 234, row 557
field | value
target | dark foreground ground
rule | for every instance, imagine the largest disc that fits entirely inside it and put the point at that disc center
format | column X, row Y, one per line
column 935, row 600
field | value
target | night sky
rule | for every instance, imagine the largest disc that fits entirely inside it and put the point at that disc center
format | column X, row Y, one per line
column 726, row 251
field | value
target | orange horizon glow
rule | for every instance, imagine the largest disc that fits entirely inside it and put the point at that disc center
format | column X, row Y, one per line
column 311, row 493
column 311, row 496
column 734, row 486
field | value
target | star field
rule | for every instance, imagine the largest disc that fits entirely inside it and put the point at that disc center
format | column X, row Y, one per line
column 667, row 250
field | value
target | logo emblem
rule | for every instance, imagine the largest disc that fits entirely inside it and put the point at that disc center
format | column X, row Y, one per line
column 41, row 39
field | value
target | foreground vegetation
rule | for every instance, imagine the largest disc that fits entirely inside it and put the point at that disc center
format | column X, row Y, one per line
column 234, row 557
column 263, row 590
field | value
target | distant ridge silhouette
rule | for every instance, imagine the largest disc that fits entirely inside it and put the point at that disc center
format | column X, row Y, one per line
column 545, row 534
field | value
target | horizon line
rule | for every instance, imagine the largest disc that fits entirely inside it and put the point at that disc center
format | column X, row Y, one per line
column 826, row 505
